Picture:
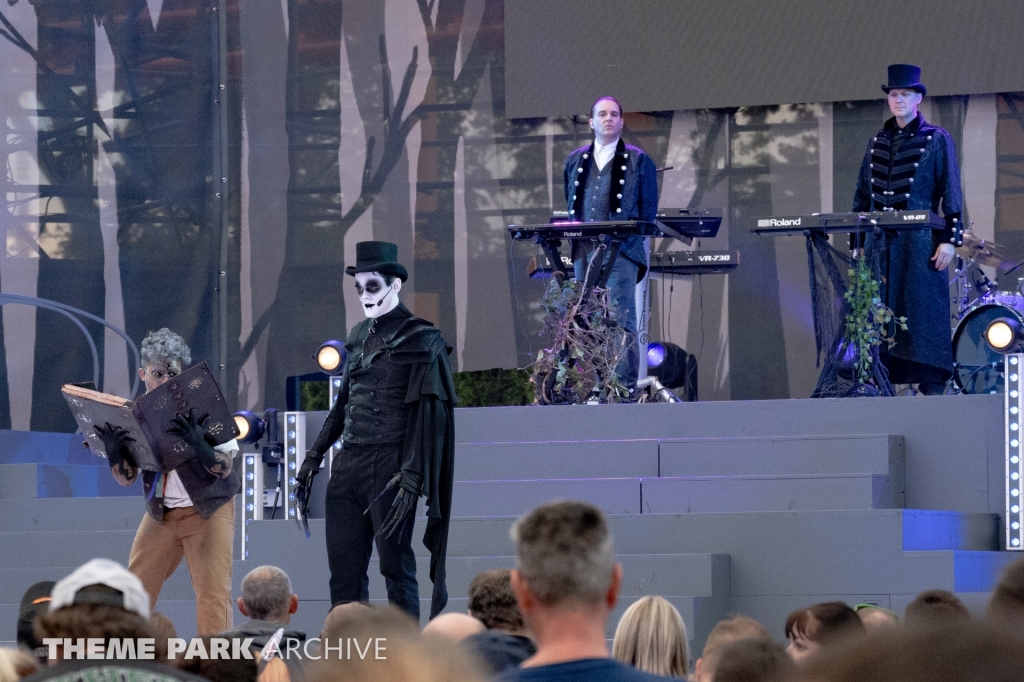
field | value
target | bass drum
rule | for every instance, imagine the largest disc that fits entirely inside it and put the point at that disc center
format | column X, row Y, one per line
column 976, row 367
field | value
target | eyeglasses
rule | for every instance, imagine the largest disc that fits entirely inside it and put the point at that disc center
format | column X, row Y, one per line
column 159, row 374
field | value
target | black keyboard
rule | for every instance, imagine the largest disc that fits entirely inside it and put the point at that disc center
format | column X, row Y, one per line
column 850, row 222
column 694, row 262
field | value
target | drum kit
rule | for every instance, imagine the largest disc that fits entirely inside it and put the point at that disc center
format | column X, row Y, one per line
column 976, row 367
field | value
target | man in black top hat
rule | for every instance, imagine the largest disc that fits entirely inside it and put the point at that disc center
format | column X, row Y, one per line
column 912, row 165
column 394, row 412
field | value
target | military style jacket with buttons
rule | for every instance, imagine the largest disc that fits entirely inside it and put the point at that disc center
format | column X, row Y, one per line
column 632, row 194
column 398, row 388
column 914, row 168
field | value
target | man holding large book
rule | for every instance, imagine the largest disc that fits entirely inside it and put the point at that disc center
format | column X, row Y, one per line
column 188, row 507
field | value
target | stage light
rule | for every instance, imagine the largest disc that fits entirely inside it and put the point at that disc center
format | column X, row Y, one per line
column 1004, row 335
column 655, row 355
column 673, row 367
column 330, row 357
column 250, row 427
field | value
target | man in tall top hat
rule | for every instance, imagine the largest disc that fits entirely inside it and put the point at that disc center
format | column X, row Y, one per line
column 912, row 165
column 395, row 413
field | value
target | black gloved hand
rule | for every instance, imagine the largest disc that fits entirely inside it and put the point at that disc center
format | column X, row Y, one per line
column 192, row 430
column 115, row 443
column 409, row 484
column 310, row 467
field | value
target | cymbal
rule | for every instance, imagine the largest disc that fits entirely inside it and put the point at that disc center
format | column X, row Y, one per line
column 984, row 252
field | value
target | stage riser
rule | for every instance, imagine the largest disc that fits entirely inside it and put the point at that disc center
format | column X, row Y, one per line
column 873, row 454
column 868, row 454
column 30, row 481
column 768, row 493
column 954, row 453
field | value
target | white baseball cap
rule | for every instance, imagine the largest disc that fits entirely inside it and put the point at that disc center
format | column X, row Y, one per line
column 101, row 572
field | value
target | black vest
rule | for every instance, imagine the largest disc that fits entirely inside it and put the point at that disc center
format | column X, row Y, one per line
column 596, row 194
column 894, row 161
column 376, row 410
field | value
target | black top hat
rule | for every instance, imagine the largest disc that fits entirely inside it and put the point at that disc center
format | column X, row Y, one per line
column 379, row 257
column 905, row 76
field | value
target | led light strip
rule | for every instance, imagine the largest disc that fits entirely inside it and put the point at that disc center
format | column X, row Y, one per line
column 1013, row 404
column 252, row 496
column 294, row 453
column 334, row 390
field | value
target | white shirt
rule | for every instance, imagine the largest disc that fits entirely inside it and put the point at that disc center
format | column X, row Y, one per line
column 604, row 153
column 175, row 495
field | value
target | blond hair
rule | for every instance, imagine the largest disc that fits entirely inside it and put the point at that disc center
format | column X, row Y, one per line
column 651, row 637
column 15, row 664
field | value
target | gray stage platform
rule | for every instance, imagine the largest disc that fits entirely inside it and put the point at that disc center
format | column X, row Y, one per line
column 751, row 507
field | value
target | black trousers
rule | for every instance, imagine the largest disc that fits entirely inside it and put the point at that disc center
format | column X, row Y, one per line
column 358, row 475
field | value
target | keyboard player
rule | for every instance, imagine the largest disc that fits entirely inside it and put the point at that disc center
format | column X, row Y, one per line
column 911, row 164
column 610, row 180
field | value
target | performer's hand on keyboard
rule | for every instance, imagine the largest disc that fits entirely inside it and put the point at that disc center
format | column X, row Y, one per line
column 409, row 484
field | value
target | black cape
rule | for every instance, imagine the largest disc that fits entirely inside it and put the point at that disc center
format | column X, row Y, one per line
column 429, row 445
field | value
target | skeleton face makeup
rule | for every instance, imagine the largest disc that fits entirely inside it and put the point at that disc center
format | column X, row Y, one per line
column 375, row 294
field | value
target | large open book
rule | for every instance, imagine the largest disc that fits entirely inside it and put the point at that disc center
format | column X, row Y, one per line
column 148, row 418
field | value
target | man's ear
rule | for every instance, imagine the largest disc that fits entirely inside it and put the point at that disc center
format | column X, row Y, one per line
column 612, row 596
column 698, row 670
column 397, row 285
column 524, row 597
column 142, row 374
column 293, row 603
column 591, row 124
column 241, row 607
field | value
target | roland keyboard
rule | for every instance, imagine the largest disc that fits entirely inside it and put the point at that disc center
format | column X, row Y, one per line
column 615, row 229
column 693, row 262
column 850, row 222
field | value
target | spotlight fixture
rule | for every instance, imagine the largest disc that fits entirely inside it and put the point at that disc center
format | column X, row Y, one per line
column 250, row 427
column 674, row 368
column 331, row 357
column 1004, row 335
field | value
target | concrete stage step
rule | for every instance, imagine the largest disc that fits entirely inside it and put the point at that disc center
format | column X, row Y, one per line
column 28, row 481
column 695, row 494
column 802, row 552
column 775, row 456
column 529, row 459
column 705, row 494
column 953, row 450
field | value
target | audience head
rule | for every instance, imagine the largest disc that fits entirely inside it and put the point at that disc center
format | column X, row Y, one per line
column 565, row 556
column 935, row 608
column 1007, row 600
column 34, row 602
column 15, row 664
column 267, row 595
column 876, row 619
column 721, row 636
column 454, row 627
column 408, row 656
column 755, row 660
column 164, row 630
column 821, row 626
column 98, row 600
column 493, row 603
column 341, row 615
column 969, row 651
column 239, row 669
column 651, row 637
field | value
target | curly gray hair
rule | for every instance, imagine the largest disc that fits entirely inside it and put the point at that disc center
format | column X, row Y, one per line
column 163, row 347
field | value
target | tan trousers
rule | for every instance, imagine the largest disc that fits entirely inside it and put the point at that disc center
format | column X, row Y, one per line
column 206, row 546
